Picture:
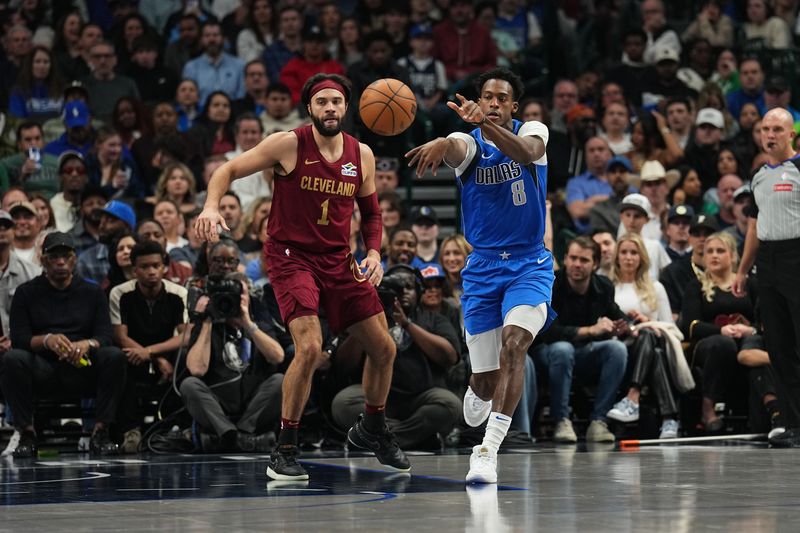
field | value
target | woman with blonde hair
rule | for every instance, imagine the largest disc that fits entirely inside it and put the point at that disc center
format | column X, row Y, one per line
column 177, row 183
column 719, row 326
column 251, row 243
column 453, row 254
column 644, row 301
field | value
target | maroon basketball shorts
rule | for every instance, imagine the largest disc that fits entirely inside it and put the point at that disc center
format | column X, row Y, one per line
column 304, row 281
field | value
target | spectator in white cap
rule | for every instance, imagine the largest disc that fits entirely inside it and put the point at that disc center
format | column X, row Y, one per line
column 14, row 271
column 634, row 212
column 26, row 230
column 654, row 182
column 703, row 152
column 664, row 82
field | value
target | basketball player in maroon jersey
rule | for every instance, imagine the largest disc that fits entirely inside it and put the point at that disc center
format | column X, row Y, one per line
column 319, row 171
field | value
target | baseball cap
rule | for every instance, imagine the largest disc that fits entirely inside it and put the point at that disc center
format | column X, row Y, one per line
column 76, row 88
column 421, row 30
column 579, row 111
column 431, row 271
column 709, row 115
column 424, row 214
column 5, row 215
column 58, row 239
column 704, row 221
column 776, row 84
column 93, row 190
column 680, row 211
column 618, row 160
column 66, row 156
column 665, row 53
column 742, row 191
column 386, row 164
column 314, row 34
column 122, row 211
column 635, row 201
column 27, row 206
column 76, row 114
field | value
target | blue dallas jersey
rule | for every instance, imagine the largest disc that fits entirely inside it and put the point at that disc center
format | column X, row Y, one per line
column 502, row 201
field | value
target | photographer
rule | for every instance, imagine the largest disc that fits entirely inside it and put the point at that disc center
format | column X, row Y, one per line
column 229, row 381
column 419, row 405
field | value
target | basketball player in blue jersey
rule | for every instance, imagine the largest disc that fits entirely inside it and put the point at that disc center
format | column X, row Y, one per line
column 501, row 170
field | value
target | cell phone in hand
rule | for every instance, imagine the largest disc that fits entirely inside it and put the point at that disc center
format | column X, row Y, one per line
column 35, row 155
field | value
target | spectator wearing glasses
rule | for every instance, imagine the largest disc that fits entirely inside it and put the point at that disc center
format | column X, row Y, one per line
column 73, row 177
column 105, row 86
column 255, row 87
column 61, row 343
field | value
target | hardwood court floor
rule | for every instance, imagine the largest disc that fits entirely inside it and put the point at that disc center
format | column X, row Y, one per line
column 724, row 488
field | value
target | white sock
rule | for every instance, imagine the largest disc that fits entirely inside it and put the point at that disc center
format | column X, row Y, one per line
column 496, row 429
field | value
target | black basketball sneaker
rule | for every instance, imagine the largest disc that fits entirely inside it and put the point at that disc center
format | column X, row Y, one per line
column 383, row 445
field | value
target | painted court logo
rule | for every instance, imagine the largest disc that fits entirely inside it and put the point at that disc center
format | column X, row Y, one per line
column 349, row 169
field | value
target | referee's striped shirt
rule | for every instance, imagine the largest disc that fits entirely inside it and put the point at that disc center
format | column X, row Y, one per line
column 776, row 193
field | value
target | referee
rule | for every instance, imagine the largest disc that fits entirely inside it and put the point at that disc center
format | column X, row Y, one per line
column 773, row 243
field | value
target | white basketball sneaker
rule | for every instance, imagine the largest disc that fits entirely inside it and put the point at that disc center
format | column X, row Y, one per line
column 476, row 411
column 482, row 465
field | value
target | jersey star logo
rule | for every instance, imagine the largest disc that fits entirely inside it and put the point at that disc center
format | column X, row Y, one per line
column 505, row 255
column 349, row 169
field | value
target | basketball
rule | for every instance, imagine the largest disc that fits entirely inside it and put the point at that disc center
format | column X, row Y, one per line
column 387, row 107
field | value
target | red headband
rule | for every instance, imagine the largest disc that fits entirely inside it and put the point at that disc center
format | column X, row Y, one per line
column 326, row 84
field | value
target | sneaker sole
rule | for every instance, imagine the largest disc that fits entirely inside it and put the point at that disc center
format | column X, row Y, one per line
column 283, row 477
column 359, row 447
column 622, row 418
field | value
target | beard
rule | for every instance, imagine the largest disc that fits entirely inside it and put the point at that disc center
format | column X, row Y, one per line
column 324, row 130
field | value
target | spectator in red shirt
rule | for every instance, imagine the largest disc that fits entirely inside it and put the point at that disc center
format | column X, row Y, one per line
column 314, row 60
column 462, row 44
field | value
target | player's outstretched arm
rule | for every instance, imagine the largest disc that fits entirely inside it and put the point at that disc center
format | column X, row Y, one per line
column 432, row 153
column 273, row 150
column 523, row 150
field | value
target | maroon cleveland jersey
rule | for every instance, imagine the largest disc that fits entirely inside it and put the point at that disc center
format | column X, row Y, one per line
column 312, row 205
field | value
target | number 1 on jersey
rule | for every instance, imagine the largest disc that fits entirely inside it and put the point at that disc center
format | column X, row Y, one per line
column 323, row 220
column 518, row 192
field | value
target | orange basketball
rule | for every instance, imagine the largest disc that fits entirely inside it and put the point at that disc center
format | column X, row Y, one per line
column 387, row 106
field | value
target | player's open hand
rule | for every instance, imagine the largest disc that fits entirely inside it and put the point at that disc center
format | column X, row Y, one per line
column 206, row 225
column 468, row 110
column 372, row 269
column 429, row 155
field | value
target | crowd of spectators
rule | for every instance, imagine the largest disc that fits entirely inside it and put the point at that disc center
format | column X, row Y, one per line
column 114, row 115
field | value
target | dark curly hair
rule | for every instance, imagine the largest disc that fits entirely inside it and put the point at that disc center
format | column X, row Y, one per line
column 504, row 74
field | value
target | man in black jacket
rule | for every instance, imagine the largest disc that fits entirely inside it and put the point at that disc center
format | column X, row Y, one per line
column 419, row 405
column 581, row 339
column 61, row 341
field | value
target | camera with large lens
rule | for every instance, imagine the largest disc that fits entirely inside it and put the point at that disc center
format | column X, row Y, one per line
column 391, row 288
column 224, row 298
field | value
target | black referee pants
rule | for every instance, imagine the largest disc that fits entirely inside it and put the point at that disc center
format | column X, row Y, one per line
column 778, row 264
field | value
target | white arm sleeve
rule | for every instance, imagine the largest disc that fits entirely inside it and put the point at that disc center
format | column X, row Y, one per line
column 534, row 128
column 472, row 148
